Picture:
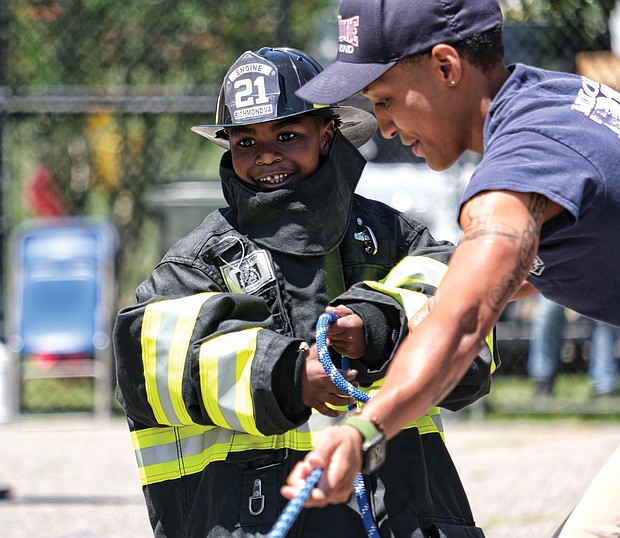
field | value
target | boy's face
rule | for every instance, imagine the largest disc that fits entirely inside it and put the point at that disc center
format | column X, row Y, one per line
column 279, row 153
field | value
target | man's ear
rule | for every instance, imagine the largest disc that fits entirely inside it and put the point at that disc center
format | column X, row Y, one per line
column 447, row 64
column 327, row 136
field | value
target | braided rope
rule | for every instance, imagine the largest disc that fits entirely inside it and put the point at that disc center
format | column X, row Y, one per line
column 364, row 507
column 295, row 505
column 328, row 365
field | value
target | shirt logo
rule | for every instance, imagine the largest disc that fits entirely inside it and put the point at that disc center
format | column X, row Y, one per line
column 537, row 267
column 348, row 39
column 599, row 103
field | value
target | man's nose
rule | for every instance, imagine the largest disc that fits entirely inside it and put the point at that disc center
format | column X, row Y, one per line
column 386, row 125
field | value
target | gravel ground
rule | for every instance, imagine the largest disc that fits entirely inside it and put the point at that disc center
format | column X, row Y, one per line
column 77, row 478
column 523, row 479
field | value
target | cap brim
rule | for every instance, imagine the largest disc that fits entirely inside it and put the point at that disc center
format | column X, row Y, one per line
column 340, row 81
column 357, row 126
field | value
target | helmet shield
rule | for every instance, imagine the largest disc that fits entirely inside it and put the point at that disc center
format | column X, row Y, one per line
column 251, row 91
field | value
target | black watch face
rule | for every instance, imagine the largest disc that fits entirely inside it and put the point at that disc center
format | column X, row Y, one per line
column 374, row 457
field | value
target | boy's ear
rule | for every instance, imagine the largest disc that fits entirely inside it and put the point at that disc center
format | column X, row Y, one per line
column 327, row 136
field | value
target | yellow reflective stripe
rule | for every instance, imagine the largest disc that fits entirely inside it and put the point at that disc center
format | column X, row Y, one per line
column 226, row 390
column 148, row 340
column 411, row 301
column 411, row 269
column 166, row 335
column 416, row 269
column 429, row 423
column 209, row 378
column 301, row 439
column 305, row 437
column 169, row 453
column 490, row 340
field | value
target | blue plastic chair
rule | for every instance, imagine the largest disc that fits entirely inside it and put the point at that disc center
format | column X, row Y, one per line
column 62, row 289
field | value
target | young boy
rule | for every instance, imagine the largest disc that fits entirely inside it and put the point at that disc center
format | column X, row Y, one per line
column 217, row 367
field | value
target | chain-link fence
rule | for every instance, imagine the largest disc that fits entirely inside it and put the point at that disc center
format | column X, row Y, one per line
column 97, row 98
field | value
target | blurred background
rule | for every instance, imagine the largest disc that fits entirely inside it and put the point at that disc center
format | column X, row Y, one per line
column 100, row 174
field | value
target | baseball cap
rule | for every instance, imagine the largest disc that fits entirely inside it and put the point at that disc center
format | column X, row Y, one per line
column 375, row 34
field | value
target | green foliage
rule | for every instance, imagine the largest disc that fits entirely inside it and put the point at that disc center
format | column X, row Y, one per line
column 585, row 20
column 115, row 42
column 106, row 162
column 57, row 395
column 514, row 397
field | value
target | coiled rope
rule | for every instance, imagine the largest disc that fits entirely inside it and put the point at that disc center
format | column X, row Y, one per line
column 293, row 508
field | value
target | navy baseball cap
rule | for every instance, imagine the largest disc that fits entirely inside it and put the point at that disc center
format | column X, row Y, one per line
column 375, row 34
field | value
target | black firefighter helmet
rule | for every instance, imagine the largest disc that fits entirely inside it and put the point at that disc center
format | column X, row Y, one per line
column 260, row 86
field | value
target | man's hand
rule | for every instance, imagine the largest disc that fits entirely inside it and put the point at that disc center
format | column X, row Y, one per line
column 339, row 454
column 346, row 334
column 317, row 389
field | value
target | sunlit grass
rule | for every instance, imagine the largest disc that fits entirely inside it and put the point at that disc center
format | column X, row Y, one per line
column 514, row 396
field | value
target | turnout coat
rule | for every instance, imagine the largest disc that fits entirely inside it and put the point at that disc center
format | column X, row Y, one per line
column 209, row 360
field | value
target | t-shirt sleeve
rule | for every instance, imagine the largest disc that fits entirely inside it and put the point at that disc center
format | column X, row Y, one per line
column 531, row 162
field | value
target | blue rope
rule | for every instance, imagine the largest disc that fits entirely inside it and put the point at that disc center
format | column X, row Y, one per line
column 328, row 365
column 364, row 506
column 295, row 505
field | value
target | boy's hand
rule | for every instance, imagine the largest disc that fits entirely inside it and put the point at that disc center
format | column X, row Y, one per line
column 317, row 389
column 346, row 334
column 419, row 316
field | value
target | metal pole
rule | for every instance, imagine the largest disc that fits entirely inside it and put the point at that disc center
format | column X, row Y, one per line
column 282, row 33
column 4, row 39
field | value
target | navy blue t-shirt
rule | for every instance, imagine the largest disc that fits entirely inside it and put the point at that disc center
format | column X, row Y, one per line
column 558, row 135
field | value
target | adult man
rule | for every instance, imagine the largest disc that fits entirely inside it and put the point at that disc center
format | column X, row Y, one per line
column 543, row 204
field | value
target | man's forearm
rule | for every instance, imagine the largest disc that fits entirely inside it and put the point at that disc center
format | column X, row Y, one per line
column 426, row 368
column 486, row 270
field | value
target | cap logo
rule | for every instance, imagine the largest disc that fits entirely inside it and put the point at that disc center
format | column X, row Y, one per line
column 252, row 89
column 347, row 34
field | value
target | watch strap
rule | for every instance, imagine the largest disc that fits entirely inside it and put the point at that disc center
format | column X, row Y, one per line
column 366, row 427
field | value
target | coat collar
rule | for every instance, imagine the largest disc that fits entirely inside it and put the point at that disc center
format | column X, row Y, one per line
column 309, row 218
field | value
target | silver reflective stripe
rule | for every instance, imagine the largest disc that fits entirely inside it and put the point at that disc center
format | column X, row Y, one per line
column 438, row 422
column 164, row 338
column 318, row 422
column 189, row 446
column 225, row 379
column 227, row 390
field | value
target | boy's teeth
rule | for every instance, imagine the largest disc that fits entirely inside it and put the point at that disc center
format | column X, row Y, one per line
column 274, row 178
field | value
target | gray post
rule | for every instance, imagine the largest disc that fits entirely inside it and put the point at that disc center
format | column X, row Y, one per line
column 4, row 38
column 282, row 32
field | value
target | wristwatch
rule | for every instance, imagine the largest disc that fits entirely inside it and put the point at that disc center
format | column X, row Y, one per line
column 374, row 445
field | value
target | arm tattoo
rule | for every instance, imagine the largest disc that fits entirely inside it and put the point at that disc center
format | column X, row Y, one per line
column 483, row 224
column 482, row 220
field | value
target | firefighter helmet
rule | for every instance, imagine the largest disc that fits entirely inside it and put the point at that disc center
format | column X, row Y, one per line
column 260, row 86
